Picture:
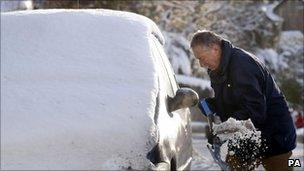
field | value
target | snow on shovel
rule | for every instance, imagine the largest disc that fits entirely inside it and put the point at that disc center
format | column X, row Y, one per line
column 240, row 135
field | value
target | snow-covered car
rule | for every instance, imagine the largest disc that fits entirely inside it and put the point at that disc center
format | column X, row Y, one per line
column 90, row 90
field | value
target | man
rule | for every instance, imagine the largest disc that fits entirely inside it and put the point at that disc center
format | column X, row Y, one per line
column 245, row 89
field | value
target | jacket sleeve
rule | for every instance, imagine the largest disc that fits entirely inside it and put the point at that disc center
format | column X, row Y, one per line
column 212, row 104
column 248, row 79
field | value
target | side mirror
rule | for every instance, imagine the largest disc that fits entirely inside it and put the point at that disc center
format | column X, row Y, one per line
column 185, row 97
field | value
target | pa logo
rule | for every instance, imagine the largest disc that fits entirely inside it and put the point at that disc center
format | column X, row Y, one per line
column 294, row 163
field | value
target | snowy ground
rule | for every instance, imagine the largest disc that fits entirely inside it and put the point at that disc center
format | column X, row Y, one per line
column 202, row 159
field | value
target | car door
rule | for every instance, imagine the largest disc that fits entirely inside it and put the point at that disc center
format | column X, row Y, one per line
column 174, row 127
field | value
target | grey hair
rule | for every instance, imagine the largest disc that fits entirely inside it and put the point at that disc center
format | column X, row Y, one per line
column 205, row 38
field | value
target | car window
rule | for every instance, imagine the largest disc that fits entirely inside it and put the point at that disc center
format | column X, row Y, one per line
column 167, row 64
column 163, row 74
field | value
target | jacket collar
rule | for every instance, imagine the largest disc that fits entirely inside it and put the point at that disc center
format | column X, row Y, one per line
column 224, row 62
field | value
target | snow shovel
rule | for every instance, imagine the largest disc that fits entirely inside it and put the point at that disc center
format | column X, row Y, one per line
column 215, row 151
column 214, row 143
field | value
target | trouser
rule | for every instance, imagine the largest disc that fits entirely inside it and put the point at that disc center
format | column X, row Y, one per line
column 273, row 163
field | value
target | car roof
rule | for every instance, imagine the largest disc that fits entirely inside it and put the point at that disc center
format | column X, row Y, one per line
column 145, row 23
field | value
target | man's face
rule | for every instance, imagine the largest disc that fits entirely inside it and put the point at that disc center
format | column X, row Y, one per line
column 209, row 57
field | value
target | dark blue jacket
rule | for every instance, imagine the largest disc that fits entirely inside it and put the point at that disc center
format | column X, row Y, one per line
column 245, row 89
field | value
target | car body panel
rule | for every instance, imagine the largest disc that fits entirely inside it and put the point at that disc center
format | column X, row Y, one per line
column 174, row 127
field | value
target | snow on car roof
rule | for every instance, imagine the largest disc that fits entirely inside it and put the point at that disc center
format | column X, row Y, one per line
column 76, row 85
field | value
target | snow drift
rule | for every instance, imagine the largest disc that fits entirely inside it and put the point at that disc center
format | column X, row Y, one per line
column 60, row 74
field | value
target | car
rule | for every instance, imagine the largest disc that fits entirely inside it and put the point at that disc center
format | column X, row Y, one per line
column 90, row 90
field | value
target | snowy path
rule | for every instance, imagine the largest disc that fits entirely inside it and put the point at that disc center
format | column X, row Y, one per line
column 202, row 159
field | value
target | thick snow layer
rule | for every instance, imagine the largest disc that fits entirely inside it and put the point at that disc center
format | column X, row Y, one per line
column 12, row 5
column 291, row 41
column 272, row 58
column 193, row 81
column 291, row 48
column 269, row 9
column 176, row 48
column 61, row 71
